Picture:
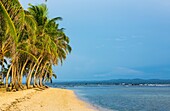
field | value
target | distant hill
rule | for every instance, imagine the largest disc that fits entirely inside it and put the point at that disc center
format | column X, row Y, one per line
column 114, row 82
column 139, row 81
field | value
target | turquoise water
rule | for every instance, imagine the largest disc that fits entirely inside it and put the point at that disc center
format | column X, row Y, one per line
column 122, row 98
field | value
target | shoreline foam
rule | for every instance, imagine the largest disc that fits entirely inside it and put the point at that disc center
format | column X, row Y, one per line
column 51, row 99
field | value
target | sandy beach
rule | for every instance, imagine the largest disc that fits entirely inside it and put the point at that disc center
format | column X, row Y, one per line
column 51, row 99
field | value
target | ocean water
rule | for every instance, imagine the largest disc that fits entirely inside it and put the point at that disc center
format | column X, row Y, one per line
column 122, row 98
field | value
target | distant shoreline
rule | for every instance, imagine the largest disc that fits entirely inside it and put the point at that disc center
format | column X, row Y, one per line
column 115, row 82
column 51, row 99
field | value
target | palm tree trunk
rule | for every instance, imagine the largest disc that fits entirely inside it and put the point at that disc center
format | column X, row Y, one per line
column 2, row 68
column 30, row 75
column 13, row 76
column 36, row 73
column 40, row 81
column 22, row 71
column 14, row 69
column 46, row 73
column 16, row 86
column 7, row 76
column 42, row 74
column 35, row 78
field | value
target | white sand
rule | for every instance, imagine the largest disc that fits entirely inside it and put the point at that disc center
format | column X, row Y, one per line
column 51, row 99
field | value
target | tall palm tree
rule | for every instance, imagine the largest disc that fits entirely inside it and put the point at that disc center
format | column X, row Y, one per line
column 32, row 42
column 8, row 16
column 52, row 41
column 15, row 20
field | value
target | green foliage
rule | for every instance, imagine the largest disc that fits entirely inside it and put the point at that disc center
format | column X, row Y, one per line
column 31, row 41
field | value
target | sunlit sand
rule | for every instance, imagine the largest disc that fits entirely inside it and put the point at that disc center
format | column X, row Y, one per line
column 51, row 99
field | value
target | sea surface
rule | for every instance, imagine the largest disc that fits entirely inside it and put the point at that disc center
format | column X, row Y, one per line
column 125, row 98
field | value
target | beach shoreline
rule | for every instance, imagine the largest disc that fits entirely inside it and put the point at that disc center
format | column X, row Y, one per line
column 51, row 99
column 92, row 105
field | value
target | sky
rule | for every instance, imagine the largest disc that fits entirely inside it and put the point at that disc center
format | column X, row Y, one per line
column 113, row 39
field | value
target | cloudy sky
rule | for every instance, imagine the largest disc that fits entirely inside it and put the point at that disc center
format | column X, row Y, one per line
column 113, row 39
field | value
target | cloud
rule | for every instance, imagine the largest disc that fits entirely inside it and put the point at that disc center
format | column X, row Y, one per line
column 120, row 39
column 124, row 38
column 125, row 70
column 103, row 75
column 122, row 71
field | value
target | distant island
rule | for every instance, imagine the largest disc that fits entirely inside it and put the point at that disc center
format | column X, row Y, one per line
column 124, row 82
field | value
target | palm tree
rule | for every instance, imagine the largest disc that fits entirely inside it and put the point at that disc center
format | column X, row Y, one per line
column 52, row 41
column 9, row 18
column 15, row 18
column 32, row 42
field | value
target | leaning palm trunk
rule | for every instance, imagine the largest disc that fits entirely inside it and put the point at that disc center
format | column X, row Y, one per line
column 32, row 65
column 42, row 74
column 45, row 75
column 30, row 74
column 21, row 74
column 34, row 79
column 7, row 76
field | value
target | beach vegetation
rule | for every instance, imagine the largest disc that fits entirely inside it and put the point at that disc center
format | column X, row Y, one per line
column 31, row 43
